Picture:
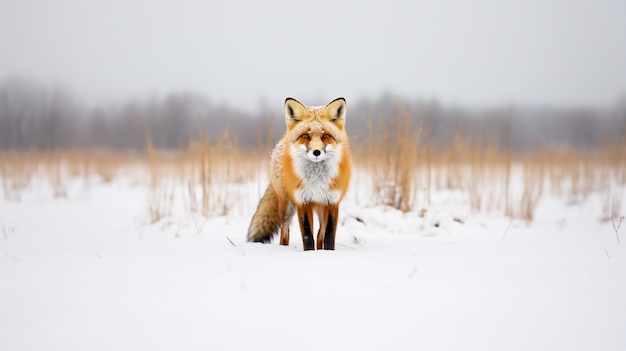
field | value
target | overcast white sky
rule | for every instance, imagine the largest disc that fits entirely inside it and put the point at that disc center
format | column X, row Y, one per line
column 473, row 53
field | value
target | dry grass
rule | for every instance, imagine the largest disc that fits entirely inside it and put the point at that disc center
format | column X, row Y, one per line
column 206, row 178
column 16, row 172
column 215, row 175
column 405, row 169
column 392, row 162
column 19, row 170
column 401, row 170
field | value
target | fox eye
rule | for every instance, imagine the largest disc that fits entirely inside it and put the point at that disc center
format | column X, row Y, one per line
column 304, row 136
column 326, row 136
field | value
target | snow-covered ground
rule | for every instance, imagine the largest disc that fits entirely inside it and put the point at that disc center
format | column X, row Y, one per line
column 88, row 272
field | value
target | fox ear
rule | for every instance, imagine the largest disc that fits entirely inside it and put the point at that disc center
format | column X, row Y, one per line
column 294, row 112
column 335, row 111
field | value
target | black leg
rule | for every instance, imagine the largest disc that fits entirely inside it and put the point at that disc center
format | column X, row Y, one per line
column 305, row 216
column 331, row 228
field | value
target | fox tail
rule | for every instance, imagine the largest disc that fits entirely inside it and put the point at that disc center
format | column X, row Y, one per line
column 266, row 220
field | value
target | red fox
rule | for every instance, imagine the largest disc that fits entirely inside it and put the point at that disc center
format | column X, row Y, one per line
column 309, row 171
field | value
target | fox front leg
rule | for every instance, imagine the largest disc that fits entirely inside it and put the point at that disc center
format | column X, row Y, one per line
column 305, row 217
column 329, row 226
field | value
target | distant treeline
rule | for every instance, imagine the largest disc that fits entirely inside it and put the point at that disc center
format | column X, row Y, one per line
column 33, row 116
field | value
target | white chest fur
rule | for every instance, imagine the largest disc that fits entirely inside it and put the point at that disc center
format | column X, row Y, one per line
column 317, row 177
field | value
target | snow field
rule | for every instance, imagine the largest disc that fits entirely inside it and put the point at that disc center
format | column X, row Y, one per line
column 90, row 271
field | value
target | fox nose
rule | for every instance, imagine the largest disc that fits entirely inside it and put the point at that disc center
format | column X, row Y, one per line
column 316, row 153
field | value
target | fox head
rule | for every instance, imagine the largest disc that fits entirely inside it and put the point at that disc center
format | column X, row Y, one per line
column 316, row 132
